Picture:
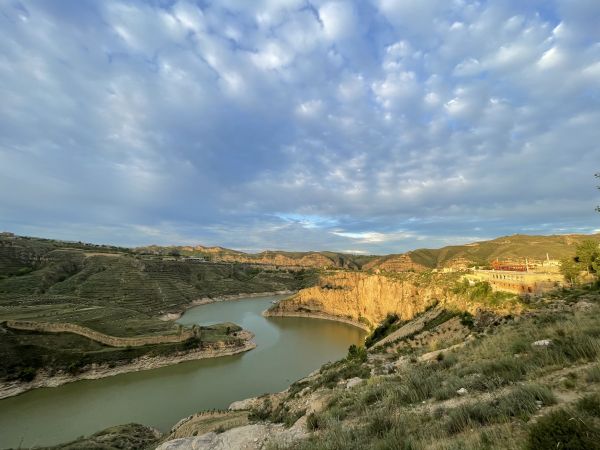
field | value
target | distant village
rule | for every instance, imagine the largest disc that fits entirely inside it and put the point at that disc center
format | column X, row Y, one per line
column 521, row 276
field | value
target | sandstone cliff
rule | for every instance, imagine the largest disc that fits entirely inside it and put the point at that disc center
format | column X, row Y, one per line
column 395, row 263
column 368, row 299
column 309, row 260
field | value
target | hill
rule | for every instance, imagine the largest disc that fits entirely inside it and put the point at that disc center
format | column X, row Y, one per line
column 482, row 253
column 113, row 291
column 275, row 258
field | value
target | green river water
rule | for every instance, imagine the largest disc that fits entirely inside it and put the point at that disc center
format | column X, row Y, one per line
column 288, row 349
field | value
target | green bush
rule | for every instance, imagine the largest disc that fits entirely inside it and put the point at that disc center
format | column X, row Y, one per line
column 380, row 424
column 467, row 320
column 27, row 374
column 496, row 373
column 593, row 374
column 563, row 429
column 382, row 330
column 590, row 405
column 262, row 412
column 466, row 416
column 314, row 422
column 417, row 385
column 519, row 403
column 358, row 353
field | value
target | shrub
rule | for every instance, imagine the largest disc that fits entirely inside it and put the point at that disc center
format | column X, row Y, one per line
column 382, row 330
column 261, row 413
column 380, row 424
column 565, row 430
column 466, row 319
column 358, row 353
column 374, row 393
column 445, row 361
column 27, row 374
column 416, row 385
column 590, row 404
column 520, row 403
column 465, row 416
column 497, row 373
column 314, row 422
column 593, row 374
column 575, row 347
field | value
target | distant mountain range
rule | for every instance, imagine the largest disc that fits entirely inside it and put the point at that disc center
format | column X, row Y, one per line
column 481, row 253
column 517, row 246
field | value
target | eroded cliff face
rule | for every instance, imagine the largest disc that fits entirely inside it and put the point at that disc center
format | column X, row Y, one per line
column 368, row 298
column 311, row 260
column 395, row 263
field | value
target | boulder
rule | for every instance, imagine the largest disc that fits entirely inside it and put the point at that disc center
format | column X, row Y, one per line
column 353, row 382
column 542, row 343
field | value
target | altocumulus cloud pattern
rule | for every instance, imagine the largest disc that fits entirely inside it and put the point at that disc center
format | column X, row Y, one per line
column 370, row 126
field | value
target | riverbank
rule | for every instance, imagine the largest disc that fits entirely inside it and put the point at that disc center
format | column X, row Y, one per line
column 44, row 379
column 224, row 298
column 362, row 326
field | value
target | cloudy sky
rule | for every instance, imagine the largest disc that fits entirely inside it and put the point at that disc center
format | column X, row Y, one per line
column 370, row 126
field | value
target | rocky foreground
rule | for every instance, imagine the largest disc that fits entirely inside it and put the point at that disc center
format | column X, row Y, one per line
column 446, row 379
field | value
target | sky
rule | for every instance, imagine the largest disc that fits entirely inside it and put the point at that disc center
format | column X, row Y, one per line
column 359, row 126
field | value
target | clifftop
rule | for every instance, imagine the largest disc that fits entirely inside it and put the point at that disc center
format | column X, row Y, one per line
column 369, row 298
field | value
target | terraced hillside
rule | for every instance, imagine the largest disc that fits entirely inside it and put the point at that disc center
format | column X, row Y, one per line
column 112, row 291
column 281, row 259
column 105, row 290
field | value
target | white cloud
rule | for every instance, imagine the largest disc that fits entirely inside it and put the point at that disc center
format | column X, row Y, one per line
column 468, row 68
column 370, row 237
column 272, row 56
column 203, row 120
column 339, row 19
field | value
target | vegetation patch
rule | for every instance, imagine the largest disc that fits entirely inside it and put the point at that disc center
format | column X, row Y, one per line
column 390, row 324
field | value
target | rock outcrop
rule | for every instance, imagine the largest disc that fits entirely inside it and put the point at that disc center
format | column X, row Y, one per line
column 395, row 263
column 367, row 299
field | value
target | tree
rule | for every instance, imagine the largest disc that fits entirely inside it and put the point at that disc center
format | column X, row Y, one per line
column 588, row 256
column 570, row 269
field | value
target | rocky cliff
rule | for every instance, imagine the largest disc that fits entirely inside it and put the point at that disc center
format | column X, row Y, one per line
column 395, row 263
column 368, row 299
column 309, row 260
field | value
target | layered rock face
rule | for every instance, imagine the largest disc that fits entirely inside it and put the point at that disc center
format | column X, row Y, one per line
column 367, row 298
column 311, row 260
column 395, row 263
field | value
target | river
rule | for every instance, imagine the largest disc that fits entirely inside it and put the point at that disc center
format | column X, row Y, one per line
column 288, row 349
